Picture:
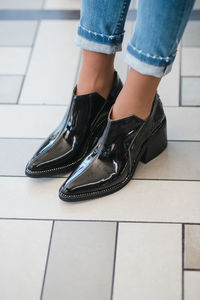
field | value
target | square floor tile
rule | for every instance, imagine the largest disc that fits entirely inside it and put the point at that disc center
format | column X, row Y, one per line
column 192, row 247
column 192, row 285
column 183, row 123
column 81, row 261
column 52, row 70
column 190, row 91
column 23, row 252
column 13, row 60
column 180, row 161
column 169, row 86
column 191, row 36
column 148, row 262
column 62, row 4
column 190, row 61
column 197, row 4
column 36, row 121
column 20, row 4
column 19, row 152
column 17, row 33
column 10, row 88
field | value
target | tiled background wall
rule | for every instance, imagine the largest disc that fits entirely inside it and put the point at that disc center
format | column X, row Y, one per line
column 139, row 243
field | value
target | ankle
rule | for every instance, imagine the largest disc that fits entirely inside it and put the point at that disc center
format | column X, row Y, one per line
column 100, row 82
column 126, row 105
column 96, row 73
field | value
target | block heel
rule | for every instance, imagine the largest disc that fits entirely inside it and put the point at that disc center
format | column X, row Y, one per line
column 156, row 143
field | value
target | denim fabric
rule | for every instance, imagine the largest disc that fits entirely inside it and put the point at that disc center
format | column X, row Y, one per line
column 159, row 27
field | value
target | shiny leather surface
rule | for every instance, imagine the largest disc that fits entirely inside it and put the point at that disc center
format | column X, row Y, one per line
column 68, row 144
column 111, row 160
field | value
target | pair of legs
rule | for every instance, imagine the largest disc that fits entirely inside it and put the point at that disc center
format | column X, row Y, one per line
column 150, row 53
column 135, row 98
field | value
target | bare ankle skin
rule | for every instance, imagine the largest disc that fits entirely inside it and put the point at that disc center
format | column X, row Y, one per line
column 136, row 97
column 96, row 73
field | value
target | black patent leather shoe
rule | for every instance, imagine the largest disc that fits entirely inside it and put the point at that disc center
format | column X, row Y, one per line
column 63, row 150
column 112, row 162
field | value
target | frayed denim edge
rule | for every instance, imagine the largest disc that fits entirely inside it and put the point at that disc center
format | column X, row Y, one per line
column 96, row 47
column 145, row 68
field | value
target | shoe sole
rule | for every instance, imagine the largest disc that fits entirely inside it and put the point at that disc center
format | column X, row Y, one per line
column 51, row 172
column 153, row 147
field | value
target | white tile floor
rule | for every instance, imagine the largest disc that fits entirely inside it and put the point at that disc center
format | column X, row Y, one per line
column 139, row 243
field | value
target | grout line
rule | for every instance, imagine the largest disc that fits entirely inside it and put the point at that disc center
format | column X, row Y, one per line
column 183, row 257
column 185, row 105
column 180, row 78
column 167, row 179
column 63, row 14
column 192, row 270
column 11, row 75
column 39, row 14
column 29, row 60
column 190, row 76
column 102, row 220
column 39, row 138
column 37, row 104
column 20, row 138
column 193, row 141
column 47, row 260
column 114, row 260
column 137, row 179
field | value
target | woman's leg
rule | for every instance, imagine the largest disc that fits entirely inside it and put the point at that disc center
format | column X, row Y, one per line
column 150, row 53
column 96, row 73
column 100, row 34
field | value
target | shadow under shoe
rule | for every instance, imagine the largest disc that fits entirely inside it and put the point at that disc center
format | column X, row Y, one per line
column 112, row 162
column 63, row 150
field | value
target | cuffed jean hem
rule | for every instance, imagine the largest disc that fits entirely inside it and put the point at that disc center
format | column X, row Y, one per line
column 98, row 42
column 146, row 68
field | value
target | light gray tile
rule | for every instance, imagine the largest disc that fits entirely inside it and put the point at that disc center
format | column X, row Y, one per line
column 190, row 61
column 81, row 261
column 9, row 88
column 20, row 4
column 62, row 4
column 192, row 285
column 23, row 252
column 17, row 33
column 183, row 123
column 35, row 121
column 134, row 4
column 197, row 4
column 15, row 153
column 51, row 75
column 13, row 60
column 180, row 161
column 190, row 91
column 169, row 86
column 191, row 36
column 192, row 247
column 140, row 200
column 148, row 262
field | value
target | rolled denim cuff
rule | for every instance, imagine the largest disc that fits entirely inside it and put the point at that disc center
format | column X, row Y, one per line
column 98, row 42
column 146, row 68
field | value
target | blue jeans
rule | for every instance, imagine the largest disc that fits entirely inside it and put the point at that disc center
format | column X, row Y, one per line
column 159, row 27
